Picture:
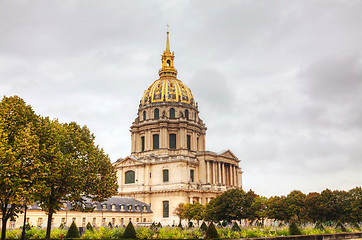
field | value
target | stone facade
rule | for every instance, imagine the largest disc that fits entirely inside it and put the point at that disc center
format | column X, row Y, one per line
column 168, row 163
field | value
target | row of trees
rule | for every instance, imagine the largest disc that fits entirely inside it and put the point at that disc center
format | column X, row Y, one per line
column 236, row 204
column 47, row 161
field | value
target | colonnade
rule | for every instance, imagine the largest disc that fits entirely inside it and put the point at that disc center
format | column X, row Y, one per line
column 221, row 173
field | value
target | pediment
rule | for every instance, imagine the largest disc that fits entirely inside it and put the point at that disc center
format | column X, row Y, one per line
column 129, row 161
column 228, row 154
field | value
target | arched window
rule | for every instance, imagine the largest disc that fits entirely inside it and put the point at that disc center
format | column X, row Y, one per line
column 168, row 63
column 187, row 114
column 156, row 114
column 129, row 177
column 172, row 113
column 144, row 115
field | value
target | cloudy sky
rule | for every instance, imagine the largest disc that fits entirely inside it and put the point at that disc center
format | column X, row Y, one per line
column 279, row 83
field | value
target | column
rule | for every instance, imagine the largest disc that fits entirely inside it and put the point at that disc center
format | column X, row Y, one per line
column 219, row 169
column 237, row 176
column 213, row 173
column 207, row 171
column 223, row 173
column 231, row 175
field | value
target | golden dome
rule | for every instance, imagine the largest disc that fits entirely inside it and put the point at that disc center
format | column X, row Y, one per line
column 167, row 88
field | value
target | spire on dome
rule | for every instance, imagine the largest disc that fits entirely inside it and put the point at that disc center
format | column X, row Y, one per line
column 168, row 41
column 168, row 68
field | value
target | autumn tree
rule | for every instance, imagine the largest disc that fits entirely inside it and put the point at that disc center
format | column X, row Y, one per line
column 179, row 211
column 18, row 157
column 74, row 167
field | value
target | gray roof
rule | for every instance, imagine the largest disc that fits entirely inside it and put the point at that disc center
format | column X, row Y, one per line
column 112, row 204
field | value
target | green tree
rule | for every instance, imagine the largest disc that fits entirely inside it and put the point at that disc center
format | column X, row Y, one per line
column 259, row 207
column 74, row 167
column 354, row 205
column 248, row 210
column 18, row 157
column 294, row 203
column 227, row 206
column 276, row 208
column 194, row 211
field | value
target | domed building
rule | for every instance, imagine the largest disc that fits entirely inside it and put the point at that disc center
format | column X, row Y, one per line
column 169, row 164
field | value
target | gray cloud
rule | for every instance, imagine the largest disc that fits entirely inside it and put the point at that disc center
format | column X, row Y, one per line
column 277, row 82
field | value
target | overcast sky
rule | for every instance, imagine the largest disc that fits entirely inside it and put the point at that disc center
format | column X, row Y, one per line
column 279, row 83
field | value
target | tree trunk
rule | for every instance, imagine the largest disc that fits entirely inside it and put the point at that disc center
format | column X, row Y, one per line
column 3, row 227
column 24, row 223
column 49, row 225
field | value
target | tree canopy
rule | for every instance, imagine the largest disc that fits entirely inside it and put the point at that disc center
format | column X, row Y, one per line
column 48, row 161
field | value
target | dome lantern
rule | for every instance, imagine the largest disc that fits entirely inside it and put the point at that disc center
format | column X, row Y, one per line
column 167, row 88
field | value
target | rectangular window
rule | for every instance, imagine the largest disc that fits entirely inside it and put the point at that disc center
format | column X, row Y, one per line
column 143, row 143
column 122, row 222
column 188, row 142
column 156, row 141
column 94, row 222
column 103, row 222
column 165, row 175
column 172, row 141
column 83, row 222
column 40, row 222
column 73, row 220
column 191, row 175
column 165, row 209
column 113, row 222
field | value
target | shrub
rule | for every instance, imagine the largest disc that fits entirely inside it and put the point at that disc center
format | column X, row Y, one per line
column 211, row 232
column 159, row 225
column 319, row 226
column 190, row 224
column 144, row 233
column 203, row 227
column 224, row 223
column 89, row 227
column 340, row 226
column 294, row 230
column 235, row 227
column 73, row 231
column 130, row 232
column 153, row 226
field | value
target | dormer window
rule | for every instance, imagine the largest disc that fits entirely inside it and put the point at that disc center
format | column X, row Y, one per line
column 104, row 207
column 144, row 115
column 113, row 207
